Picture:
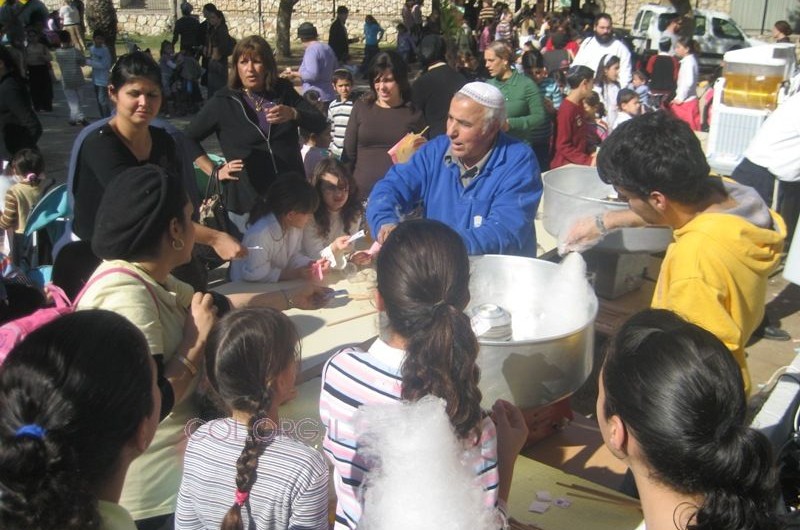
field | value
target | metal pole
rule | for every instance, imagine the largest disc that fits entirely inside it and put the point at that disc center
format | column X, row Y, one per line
column 764, row 17
column 625, row 14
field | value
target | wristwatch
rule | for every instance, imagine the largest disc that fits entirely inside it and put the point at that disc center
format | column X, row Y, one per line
column 600, row 224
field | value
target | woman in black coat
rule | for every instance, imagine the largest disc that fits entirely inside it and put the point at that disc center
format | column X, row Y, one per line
column 255, row 120
column 19, row 126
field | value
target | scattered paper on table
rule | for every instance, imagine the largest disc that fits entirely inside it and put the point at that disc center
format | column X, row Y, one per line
column 538, row 507
column 544, row 496
column 561, row 502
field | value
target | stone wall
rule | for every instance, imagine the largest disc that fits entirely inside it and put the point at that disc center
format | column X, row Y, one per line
column 243, row 15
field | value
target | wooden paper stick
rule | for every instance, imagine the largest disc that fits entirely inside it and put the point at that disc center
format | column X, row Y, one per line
column 599, row 493
column 348, row 319
column 600, row 499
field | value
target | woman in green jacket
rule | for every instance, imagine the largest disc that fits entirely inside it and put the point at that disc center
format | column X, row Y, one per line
column 524, row 105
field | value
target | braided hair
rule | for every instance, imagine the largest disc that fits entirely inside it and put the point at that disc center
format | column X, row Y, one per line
column 423, row 278
column 247, row 350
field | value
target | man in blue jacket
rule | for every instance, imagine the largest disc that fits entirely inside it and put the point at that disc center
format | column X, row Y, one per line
column 476, row 179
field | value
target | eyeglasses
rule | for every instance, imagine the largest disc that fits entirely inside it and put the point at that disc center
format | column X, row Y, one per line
column 330, row 188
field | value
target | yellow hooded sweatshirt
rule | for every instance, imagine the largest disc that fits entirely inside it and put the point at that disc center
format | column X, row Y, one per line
column 715, row 273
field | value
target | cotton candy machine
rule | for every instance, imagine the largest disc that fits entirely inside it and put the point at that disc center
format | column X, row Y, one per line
column 621, row 258
column 552, row 310
column 573, row 192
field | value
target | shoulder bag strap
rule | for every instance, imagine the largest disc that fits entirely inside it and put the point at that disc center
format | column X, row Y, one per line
column 213, row 186
column 120, row 270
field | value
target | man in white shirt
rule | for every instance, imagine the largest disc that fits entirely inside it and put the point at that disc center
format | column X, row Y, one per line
column 774, row 153
column 604, row 43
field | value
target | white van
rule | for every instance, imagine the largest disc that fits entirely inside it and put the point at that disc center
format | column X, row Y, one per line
column 715, row 32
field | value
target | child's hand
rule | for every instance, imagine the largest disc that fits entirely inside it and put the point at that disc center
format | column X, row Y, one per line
column 319, row 268
column 340, row 244
column 512, row 432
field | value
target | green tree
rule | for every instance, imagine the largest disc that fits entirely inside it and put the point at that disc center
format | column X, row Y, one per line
column 101, row 16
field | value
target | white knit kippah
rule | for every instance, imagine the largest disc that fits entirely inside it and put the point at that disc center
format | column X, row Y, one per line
column 484, row 94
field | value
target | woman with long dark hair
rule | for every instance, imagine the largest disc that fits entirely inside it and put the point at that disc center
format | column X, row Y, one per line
column 78, row 403
column 379, row 120
column 130, row 140
column 429, row 349
column 671, row 405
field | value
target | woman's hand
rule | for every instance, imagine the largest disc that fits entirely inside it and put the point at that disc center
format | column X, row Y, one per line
column 281, row 114
column 198, row 323
column 228, row 247
column 229, row 169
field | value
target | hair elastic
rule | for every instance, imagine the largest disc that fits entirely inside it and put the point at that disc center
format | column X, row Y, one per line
column 30, row 431
column 241, row 497
column 31, row 178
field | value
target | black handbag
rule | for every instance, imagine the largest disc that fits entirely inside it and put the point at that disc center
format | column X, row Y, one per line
column 213, row 212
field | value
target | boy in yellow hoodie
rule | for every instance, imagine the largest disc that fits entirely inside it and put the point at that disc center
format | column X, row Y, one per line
column 727, row 241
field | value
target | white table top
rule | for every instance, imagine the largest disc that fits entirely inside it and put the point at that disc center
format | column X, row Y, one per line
column 323, row 331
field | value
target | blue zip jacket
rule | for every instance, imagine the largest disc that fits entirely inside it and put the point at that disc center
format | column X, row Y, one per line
column 494, row 214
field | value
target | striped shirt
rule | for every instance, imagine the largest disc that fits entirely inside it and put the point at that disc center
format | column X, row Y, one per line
column 338, row 116
column 352, row 378
column 291, row 488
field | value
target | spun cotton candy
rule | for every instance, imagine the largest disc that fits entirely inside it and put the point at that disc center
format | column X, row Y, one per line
column 418, row 480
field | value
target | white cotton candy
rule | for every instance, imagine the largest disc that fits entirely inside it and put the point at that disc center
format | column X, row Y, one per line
column 418, row 480
column 545, row 301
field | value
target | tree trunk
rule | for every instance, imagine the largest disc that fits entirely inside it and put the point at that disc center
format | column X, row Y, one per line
column 101, row 16
column 283, row 31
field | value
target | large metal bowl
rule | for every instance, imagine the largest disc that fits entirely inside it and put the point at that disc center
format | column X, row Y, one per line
column 572, row 192
column 536, row 372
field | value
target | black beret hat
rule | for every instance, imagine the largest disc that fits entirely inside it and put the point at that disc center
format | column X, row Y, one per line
column 135, row 211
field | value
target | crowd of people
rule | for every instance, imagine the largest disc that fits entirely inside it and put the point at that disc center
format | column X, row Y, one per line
column 435, row 168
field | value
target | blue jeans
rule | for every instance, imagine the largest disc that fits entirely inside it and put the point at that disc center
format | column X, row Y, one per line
column 103, row 104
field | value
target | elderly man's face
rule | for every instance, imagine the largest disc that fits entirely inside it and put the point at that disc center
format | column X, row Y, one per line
column 469, row 139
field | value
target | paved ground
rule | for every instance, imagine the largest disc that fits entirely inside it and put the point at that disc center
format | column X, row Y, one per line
column 764, row 356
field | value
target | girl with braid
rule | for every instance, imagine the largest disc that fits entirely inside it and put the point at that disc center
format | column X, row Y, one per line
column 244, row 472
column 428, row 349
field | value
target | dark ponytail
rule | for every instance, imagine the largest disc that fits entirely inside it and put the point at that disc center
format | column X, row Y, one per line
column 680, row 393
column 247, row 350
column 72, row 395
column 423, row 278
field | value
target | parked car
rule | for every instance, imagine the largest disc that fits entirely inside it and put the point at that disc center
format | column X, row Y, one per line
column 714, row 31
